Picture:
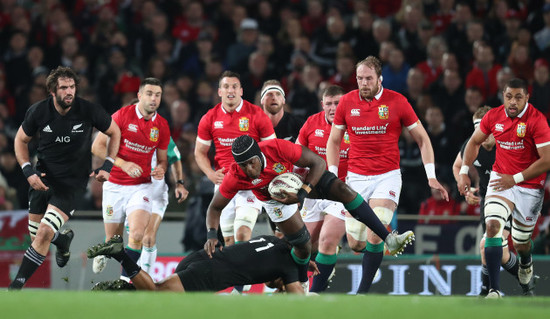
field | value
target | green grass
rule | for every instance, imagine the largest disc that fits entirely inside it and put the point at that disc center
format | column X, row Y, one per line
column 83, row 304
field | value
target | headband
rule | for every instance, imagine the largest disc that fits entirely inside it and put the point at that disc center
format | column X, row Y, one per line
column 272, row 88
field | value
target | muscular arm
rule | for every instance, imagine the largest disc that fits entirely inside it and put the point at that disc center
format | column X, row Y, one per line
column 333, row 146
column 470, row 154
column 201, row 156
column 21, row 146
column 114, row 139
column 421, row 138
column 314, row 162
column 213, row 213
column 177, row 174
column 162, row 164
column 99, row 149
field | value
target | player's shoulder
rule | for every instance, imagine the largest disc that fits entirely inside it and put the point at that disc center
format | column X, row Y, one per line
column 41, row 107
column 394, row 96
column 350, row 96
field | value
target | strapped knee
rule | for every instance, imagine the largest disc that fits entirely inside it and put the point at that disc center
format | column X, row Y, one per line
column 33, row 228
column 356, row 229
column 54, row 219
column 299, row 238
column 497, row 209
column 227, row 229
column 384, row 214
column 245, row 216
column 521, row 234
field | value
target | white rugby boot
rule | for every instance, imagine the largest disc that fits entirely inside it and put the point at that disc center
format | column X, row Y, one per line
column 396, row 243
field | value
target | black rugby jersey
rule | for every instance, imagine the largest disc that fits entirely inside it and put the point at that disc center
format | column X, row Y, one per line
column 262, row 259
column 289, row 127
column 64, row 142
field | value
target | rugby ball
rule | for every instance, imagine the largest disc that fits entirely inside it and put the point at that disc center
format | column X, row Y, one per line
column 289, row 182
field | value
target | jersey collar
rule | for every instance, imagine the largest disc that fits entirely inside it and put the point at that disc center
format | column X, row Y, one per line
column 140, row 116
column 238, row 109
column 522, row 112
column 377, row 96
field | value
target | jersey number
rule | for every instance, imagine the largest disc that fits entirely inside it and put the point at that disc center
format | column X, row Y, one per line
column 269, row 245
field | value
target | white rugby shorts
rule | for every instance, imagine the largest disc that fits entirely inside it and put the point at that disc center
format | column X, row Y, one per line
column 314, row 210
column 383, row 186
column 122, row 200
column 159, row 196
column 527, row 201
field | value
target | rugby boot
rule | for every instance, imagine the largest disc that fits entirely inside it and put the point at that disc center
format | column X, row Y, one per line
column 525, row 273
column 114, row 247
column 529, row 289
column 493, row 294
column 62, row 254
column 396, row 243
column 113, row 285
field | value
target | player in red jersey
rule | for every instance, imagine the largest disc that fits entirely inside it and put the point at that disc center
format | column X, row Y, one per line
column 373, row 117
column 324, row 219
column 516, row 185
column 127, row 192
column 220, row 126
column 257, row 164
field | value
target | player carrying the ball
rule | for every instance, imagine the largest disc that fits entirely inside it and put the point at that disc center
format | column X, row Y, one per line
column 258, row 163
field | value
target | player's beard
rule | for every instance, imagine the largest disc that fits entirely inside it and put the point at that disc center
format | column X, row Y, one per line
column 62, row 103
column 368, row 94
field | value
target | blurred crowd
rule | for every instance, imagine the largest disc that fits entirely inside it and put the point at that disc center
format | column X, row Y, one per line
column 448, row 57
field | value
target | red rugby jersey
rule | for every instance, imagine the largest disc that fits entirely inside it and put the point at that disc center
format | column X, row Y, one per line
column 374, row 128
column 314, row 135
column 280, row 156
column 223, row 128
column 517, row 140
column 138, row 142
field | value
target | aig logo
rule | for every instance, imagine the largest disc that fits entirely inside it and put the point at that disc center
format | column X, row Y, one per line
column 355, row 112
column 63, row 139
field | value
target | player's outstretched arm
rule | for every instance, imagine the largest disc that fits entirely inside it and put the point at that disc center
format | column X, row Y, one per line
column 421, row 138
column 213, row 213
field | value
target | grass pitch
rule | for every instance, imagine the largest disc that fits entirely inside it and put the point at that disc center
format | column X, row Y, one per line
column 86, row 304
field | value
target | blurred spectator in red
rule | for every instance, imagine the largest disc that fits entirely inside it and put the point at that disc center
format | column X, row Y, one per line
column 431, row 67
column 385, row 8
column 484, row 73
column 189, row 24
column 520, row 62
column 540, row 94
column 345, row 73
column 314, row 19
column 436, row 205
column 442, row 18
column 180, row 115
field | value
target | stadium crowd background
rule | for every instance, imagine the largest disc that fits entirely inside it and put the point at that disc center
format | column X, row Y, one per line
column 447, row 57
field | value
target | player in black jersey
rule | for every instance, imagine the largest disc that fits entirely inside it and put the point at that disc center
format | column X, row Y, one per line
column 64, row 124
column 286, row 125
column 483, row 164
column 262, row 259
